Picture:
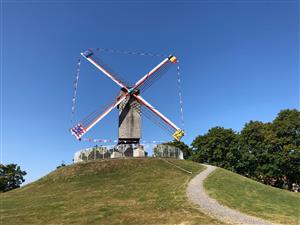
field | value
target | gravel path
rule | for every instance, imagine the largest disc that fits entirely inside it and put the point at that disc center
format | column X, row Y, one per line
column 196, row 193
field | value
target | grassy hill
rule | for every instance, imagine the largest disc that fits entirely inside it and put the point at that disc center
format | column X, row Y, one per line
column 254, row 198
column 131, row 191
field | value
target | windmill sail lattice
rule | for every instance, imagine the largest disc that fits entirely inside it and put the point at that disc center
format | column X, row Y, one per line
column 129, row 102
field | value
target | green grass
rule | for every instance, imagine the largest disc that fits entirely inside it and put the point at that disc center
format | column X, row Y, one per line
column 254, row 198
column 127, row 191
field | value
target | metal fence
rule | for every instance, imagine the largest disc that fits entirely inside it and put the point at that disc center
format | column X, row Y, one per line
column 94, row 153
column 126, row 150
column 167, row 151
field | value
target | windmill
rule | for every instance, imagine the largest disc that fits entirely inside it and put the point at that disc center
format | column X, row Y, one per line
column 129, row 102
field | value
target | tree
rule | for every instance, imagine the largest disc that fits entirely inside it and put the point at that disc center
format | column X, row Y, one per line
column 286, row 127
column 11, row 177
column 261, row 155
column 217, row 147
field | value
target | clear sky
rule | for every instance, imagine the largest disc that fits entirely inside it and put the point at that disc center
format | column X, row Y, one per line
column 239, row 61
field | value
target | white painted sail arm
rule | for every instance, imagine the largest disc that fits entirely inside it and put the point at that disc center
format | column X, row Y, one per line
column 104, row 71
column 106, row 112
column 144, row 78
column 149, row 106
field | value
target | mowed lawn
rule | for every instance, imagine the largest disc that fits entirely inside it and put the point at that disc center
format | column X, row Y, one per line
column 254, row 198
column 126, row 191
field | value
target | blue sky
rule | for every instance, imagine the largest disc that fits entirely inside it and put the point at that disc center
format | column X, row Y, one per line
column 239, row 61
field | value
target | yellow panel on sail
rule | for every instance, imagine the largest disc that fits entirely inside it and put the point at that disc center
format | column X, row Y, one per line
column 178, row 134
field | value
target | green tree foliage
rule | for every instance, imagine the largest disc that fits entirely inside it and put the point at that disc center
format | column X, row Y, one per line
column 261, row 155
column 286, row 127
column 218, row 147
column 11, row 177
column 267, row 152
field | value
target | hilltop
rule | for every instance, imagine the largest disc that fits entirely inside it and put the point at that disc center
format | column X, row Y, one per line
column 126, row 191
